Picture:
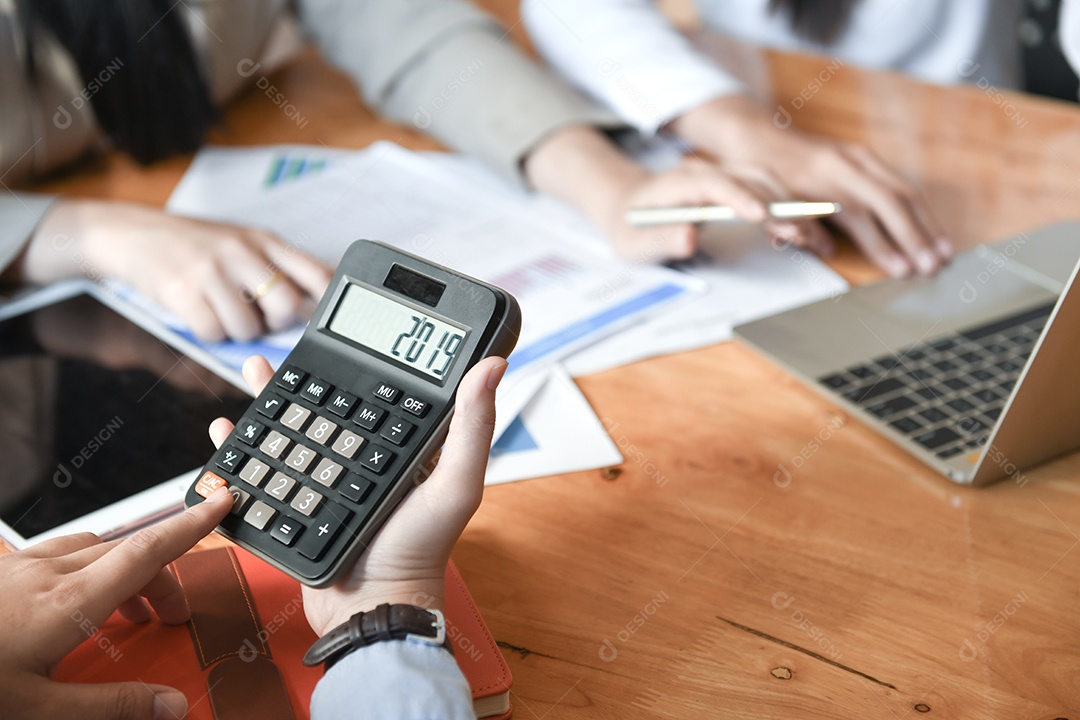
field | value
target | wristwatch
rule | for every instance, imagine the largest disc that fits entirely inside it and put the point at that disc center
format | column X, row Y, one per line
column 385, row 622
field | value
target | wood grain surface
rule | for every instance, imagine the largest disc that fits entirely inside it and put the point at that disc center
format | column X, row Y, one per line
column 758, row 554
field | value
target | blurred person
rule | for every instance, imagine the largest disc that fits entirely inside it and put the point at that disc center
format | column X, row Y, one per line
column 148, row 77
column 679, row 89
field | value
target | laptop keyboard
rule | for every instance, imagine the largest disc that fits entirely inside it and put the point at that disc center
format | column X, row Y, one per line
column 945, row 393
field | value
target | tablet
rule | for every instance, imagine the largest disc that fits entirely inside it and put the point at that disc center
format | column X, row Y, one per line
column 104, row 414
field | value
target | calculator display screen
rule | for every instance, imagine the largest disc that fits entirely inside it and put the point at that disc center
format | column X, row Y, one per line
column 412, row 337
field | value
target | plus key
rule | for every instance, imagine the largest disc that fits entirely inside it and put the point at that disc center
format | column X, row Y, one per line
column 323, row 531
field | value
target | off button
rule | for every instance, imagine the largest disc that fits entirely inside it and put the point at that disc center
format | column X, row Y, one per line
column 415, row 406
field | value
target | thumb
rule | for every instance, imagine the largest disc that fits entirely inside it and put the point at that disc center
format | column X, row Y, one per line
column 117, row 701
column 460, row 472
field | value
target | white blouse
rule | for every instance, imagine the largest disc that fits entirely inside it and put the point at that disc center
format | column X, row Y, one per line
column 627, row 55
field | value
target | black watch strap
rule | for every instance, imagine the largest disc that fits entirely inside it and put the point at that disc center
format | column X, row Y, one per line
column 386, row 622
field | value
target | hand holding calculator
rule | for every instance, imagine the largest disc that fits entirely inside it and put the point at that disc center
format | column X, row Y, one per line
column 346, row 427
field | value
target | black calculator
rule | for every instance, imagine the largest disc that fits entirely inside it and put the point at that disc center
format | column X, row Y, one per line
column 354, row 415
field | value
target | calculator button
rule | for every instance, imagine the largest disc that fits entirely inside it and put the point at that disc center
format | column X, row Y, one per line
column 355, row 487
column 416, row 406
column 386, row 393
column 347, row 444
column 316, row 390
column 274, row 444
column 229, row 459
column 280, row 486
column 369, row 416
column 321, row 430
column 240, row 500
column 270, row 406
column 306, row 502
column 286, row 531
column 295, row 417
column 376, row 458
column 259, row 515
column 397, row 430
column 341, row 403
column 327, row 472
column 290, row 378
column 301, row 458
column 254, row 472
column 323, row 531
column 208, row 483
column 249, row 431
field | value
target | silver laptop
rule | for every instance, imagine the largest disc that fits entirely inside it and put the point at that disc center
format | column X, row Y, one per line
column 974, row 371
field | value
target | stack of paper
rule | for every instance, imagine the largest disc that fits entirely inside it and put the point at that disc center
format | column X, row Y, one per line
column 581, row 305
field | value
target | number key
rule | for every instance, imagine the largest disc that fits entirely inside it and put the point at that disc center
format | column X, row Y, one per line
column 301, row 458
column 306, row 502
column 321, row 431
column 280, row 486
column 274, row 444
column 347, row 444
column 295, row 417
column 254, row 472
column 327, row 472
column 240, row 500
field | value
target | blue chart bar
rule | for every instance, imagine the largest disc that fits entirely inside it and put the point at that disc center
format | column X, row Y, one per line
column 523, row 357
column 288, row 167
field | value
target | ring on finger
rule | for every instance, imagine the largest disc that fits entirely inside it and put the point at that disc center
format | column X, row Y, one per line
column 267, row 285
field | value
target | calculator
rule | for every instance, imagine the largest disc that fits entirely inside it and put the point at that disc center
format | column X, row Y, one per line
column 353, row 417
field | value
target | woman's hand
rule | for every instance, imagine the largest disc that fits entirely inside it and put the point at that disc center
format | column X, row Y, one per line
column 406, row 562
column 58, row 592
column 222, row 280
column 883, row 213
column 695, row 182
column 584, row 168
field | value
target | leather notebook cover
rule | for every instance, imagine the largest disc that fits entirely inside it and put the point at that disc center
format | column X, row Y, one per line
column 245, row 641
column 479, row 658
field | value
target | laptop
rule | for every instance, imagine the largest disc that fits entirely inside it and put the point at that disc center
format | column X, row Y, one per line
column 974, row 371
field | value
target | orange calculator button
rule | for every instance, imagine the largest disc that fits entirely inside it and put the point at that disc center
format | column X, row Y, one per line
column 208, row 483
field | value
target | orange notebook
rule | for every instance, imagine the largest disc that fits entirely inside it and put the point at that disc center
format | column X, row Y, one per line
column 240, row 655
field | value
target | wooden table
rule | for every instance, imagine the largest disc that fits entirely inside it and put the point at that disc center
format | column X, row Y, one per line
column 701, row 580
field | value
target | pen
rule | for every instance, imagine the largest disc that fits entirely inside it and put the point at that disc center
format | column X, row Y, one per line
column 722, row 213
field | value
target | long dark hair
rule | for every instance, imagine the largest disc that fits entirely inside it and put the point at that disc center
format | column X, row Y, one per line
column 138, row 69
column 820, row 21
